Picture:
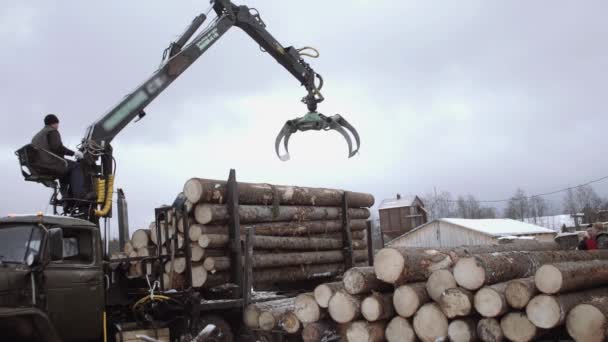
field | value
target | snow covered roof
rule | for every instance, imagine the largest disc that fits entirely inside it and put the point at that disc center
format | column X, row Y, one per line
column 498, row 227
column 552, row 222
column 404, row 201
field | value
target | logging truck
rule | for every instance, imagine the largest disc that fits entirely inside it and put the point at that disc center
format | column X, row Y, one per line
column 57, row 280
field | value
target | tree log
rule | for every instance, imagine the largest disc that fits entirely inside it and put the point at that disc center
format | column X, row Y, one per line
column 399, row 329
column 519, row 292
column 214, row 191
column 378, row 306
column 306, row 228
column 271, row 318
column 463, row 330
column 568, row 276
column 517, row 327
column 128, row 248
column 197, row 252
column 409, row 297
column 406, row 264
column 362, row 331
column 179, row 266
column 486, row 269
column 140, row 238
column 154, row 239
column 252, row 312
column 360, row 280
column 438, row 282
column 589, row 321
column 195, row 231
column 490, row 301
column 344, row 307
column 199, row 275
column 286, row 259
column 174, row 281
column 324, row 292
column 207, row 213
column 319, row 331
column 430, row 324
column 489, row 330
column 281, row 242
column 456, row 302
column 306, row 308
column 548, row 312
column 290, row 323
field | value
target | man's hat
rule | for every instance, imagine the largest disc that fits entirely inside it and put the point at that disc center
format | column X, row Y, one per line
column 51, row 119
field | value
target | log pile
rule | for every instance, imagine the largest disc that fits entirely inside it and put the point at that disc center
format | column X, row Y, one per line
column 559, row 292
column 298, row 234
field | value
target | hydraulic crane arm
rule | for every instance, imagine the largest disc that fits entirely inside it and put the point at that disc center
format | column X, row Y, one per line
column 183, row 53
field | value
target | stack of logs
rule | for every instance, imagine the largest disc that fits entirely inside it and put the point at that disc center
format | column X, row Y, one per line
column 520, row 291
column 298, row 233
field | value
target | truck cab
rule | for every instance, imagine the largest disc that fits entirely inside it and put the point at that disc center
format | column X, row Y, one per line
column 51, row 279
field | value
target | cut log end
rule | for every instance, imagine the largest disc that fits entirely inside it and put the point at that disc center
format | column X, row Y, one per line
column 585, row 322
column 354, row 281
column 399, row 329
column 324, row 292
column 456, row 302
column 548, row 279
column 344, row 308
column 438, row 282
column 520, row 292
column 290, row 323
column 408, row 298
column 306, row 308
column 193, row 190
column 544, row 311
column 430, row 323
column 251, row 316
column 373, row 308
column 462, row 331
column 203, row 214
column 469, row 273
column 489, row 330
column 388, row 265
column 488, row 302
column 267, row 321
column 362, row 331
column 518, row 328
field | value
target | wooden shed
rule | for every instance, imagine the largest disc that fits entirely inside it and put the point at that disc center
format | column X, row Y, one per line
column 400, row 215
column 450, row 232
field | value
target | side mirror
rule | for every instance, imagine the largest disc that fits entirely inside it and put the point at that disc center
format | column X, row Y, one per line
column 55, row 242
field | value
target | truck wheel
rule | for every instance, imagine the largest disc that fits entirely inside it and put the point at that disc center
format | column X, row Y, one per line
column 223, row 332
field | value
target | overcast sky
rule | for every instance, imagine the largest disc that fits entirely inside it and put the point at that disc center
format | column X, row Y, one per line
column 475, row 97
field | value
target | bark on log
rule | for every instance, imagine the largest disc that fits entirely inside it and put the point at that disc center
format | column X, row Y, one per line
column 281, row 242
column 271, row 319
column 399, row 329
column 290, row 323
column 174, row 281
column 252, row 312
column 179, row 265
column 430, row 324
column 207, row 213
column 344, row 307
column 405, row 264
column 489, row 330
column 324, row 292
column 378, row 306
column 548, row 312
column 140, row 238
column 463, row 330
column 589, row 321
column 408, row 298
column 456, row 302
column 306, row 228
column 306, row 308
column 362, row 331
column 360, row 280
column 567, row 276
column 319, row 331
column 214, row 191
column 519, row 292
column 486, row 269
column 154, row 239
column 287, row 259
column 517, row 327
column 438, row 282
column 490, row 301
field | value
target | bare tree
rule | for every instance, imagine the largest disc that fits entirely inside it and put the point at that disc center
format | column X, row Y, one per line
column 538, row 207
column 470, row 208
column 570, row 203
column 439, row 205
column 518, row 207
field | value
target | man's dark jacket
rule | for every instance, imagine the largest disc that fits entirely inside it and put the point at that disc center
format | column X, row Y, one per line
column 49, row 139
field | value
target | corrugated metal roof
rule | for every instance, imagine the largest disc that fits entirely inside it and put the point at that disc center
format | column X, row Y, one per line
column 498, row 227
column 404, row 201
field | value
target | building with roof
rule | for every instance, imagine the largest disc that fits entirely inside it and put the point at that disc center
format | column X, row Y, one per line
column 401, row 214
column 453, row 232
column 556, row 222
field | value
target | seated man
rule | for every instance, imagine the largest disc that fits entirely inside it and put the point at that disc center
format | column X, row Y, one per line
column 49, row 139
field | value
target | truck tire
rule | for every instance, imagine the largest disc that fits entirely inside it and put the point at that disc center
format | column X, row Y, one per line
column 223, row 331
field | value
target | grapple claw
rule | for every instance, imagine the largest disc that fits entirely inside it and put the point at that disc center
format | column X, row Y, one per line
column 285, row 133
column 343, row 123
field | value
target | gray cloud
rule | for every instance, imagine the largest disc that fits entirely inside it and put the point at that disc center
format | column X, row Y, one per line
column 474, row 97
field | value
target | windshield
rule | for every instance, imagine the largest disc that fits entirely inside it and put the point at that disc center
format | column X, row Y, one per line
column 16, row 242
